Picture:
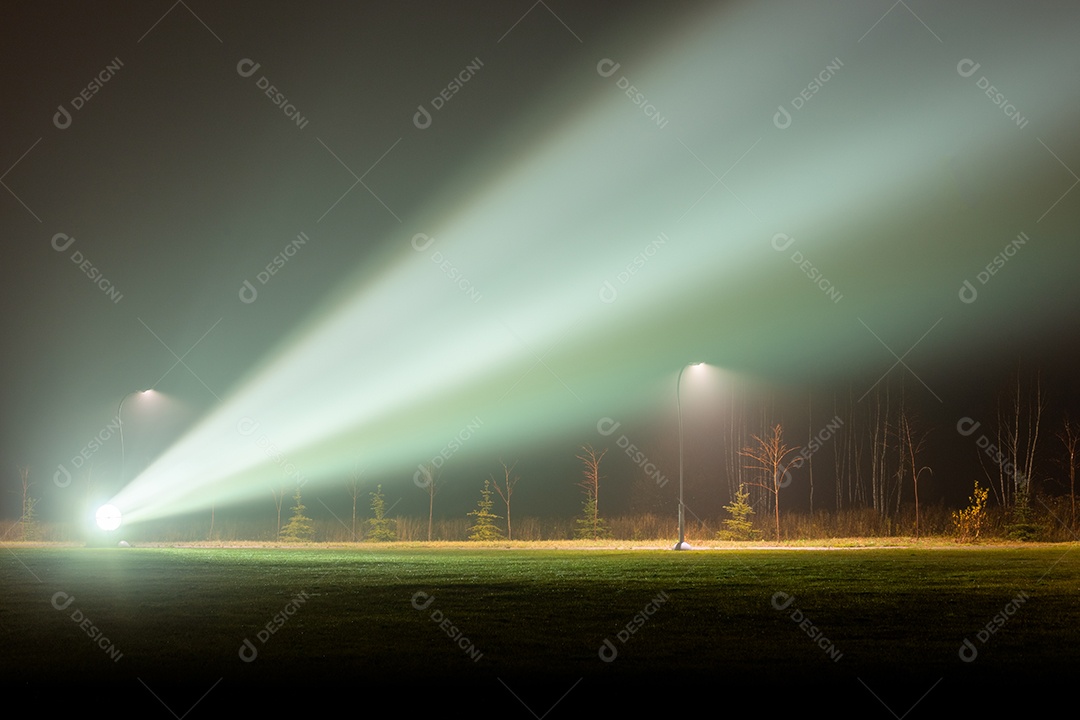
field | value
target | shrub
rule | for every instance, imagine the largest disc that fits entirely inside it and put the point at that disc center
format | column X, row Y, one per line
column 969, row 522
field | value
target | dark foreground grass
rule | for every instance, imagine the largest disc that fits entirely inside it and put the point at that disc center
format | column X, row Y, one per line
column 518, row 631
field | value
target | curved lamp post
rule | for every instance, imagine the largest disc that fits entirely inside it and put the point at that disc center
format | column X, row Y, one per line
column 681, row 545
column 120, row 424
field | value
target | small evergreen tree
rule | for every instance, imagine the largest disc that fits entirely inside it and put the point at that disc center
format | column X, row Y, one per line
column 740, row 526
column 381, row 528
column 29, row 523
column 1022, row 525
column 590, row 526
column 484, row 527
column 299, row 527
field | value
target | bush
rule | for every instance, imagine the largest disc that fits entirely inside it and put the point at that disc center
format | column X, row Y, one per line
column 972, row 520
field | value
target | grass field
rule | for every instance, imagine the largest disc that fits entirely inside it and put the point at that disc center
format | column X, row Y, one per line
column 525, row 630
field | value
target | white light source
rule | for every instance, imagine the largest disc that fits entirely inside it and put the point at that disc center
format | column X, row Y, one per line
column 108, row 517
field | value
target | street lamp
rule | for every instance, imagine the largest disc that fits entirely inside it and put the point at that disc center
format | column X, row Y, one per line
column 108, row 517
column 681, row 545
column 120, row 424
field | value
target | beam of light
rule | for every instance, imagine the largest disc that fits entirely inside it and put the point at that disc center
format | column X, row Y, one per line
column 520, row 312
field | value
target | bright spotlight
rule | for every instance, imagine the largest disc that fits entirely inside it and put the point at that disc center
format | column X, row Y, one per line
column 108, row 517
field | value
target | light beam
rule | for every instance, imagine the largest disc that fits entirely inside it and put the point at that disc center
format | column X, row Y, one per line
column 510, row 307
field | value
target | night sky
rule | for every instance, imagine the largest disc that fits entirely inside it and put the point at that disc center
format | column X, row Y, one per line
column 810, row 197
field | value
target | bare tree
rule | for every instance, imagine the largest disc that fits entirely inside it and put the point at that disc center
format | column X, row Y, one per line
column 914, row 443
column 1070, row 438
column 354, row 493
column 1025, row 433
column 507, row 489
column 846, row 455
column 430, row 478
column 279, row 499
column 810, row 457
column 879, row 451
column 902, row 439
column 1017, row 434
column 770, row 455
column 734, row 469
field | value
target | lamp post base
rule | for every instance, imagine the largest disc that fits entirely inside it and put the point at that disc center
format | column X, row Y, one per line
column 682, row 546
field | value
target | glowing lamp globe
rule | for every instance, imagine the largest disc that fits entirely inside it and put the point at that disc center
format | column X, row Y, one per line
column 108, row 517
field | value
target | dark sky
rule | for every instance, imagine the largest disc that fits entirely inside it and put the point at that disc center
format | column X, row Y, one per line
column 900, row 175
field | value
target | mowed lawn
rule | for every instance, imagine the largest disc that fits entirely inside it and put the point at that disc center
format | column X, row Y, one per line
column 879, row 630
